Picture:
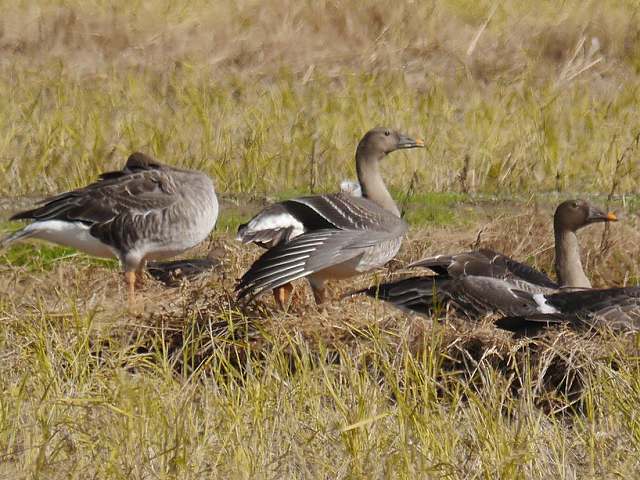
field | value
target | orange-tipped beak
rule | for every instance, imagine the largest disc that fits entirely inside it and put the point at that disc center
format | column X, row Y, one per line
column 408, row 142
column 611, row 217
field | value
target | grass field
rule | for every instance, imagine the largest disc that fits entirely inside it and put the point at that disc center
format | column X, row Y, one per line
column 521, row 104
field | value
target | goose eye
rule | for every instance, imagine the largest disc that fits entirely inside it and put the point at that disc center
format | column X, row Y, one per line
column 387, row 133
column 574, row 205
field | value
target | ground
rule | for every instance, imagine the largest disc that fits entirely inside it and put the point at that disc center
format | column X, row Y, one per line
column 521, row 106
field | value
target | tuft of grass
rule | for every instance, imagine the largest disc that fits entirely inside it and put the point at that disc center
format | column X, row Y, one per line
column 37, row 257
column 229, row 222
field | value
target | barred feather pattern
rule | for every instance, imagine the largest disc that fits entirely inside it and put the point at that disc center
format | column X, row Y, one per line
column 472, row 284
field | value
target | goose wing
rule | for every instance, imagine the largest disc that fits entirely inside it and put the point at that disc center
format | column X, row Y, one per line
column 470, row 296
column 487, row 263
column 517, row 272
column 286, row 220
column 307, row 254
column 114, row 205
column 275, row 224
column 615, row 308
column 421, row 295
column 347, row 212
column 473, row 283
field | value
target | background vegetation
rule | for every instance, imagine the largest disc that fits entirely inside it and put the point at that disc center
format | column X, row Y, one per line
column 515, row 95
column 520, row 104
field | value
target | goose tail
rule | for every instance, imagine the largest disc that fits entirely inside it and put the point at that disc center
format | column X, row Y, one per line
column 14, row 237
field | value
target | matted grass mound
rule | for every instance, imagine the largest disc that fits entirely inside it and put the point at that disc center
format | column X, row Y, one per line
column 210, row 331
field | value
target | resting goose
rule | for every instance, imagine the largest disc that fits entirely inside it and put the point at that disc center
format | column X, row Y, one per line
column 480, row 282
column 328, row 236
column 144, row 211
column 614, row 308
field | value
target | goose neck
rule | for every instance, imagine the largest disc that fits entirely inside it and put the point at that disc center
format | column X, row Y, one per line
column 567, row 263
column 373, row 186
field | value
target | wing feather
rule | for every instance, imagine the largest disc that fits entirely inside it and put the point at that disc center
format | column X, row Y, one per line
column 281, row 222
column 487, row 263
column 305, row 255
column 615, row 308
column 115, row 202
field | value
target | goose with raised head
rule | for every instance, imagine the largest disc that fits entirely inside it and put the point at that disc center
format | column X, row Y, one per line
column 330, row 236
column 145, row 211
column 480, row 282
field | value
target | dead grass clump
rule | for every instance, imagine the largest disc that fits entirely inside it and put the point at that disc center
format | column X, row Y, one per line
column 209, row 329
column 554, row 371
column 210, row 332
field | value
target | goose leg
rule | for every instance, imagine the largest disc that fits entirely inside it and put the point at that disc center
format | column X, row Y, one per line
column 318, row 287
column 282, row 295
column 140, row 275
column 320, row 295
column 131, row 264
column 130, row 281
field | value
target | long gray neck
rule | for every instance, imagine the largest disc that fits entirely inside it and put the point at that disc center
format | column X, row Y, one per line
column 568, row 265
column 373, row 187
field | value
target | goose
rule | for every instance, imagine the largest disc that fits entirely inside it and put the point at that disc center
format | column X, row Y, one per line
column 615, row 308
column 480, row 282
column 329, row 236
column 145, row 211
column 351, row 187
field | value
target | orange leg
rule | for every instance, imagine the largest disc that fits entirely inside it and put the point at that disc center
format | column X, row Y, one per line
column 130, row 281
column 282, row 295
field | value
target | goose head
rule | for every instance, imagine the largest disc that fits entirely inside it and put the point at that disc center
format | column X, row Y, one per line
column 381, row 141
column 572, row 215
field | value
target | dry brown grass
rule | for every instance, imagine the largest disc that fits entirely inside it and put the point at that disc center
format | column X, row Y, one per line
column 252, row 37
column 514, row 99
column 195, row 385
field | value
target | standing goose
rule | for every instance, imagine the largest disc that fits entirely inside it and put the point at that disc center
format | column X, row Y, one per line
column 329, row 236
column 614, row 308
column 144, row 211
column 480, row 282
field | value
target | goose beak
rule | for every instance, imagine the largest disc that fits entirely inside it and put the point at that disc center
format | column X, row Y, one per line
column 408, row 142
column 597, row 215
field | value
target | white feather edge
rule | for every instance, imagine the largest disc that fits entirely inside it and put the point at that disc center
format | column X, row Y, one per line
column 276, row 222
column 543, row 306
column 351, row 187
column 285, row 220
